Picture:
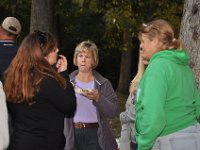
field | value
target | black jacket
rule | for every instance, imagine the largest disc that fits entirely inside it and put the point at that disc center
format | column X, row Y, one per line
column 8, row 50
column 40, row 126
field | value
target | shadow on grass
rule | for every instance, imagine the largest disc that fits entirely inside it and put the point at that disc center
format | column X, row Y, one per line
column 115, row 123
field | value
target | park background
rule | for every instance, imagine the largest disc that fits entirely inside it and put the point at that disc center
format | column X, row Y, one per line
column 113, row 25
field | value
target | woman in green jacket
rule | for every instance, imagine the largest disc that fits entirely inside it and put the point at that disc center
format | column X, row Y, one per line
column 168, row 101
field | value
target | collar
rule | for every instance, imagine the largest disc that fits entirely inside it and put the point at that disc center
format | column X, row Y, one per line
column 9, row 41
column 98, row 77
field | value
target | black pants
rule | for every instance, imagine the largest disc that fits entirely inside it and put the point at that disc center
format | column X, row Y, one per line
column 86, row 139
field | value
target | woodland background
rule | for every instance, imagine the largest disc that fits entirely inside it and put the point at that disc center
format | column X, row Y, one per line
column 113, row 25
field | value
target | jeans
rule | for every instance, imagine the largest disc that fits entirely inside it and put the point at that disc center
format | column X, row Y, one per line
column 86, row 139
column 186, row 139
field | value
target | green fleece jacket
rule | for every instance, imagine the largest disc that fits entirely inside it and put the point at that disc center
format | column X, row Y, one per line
column 167, row 99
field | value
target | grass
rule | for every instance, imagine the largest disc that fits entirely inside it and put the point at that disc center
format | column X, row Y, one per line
column 115, row 124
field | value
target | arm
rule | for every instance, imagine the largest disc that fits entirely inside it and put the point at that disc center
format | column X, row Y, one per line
column 150, row 113
column 198, row 106
column 69, row 133
column 107, row 103
column 4, row 134
column 63, row 99
column 197, row 102
column 129, row 114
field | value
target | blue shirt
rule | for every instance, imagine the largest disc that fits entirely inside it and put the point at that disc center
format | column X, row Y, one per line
column 8, row 50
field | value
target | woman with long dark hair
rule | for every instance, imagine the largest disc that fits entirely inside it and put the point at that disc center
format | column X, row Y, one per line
column 38, row 95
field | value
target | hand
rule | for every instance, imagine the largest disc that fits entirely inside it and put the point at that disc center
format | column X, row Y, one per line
column 61, row 64
column 133, row 86
column 92, row 95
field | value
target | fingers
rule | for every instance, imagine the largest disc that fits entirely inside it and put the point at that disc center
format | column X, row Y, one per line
column 92, row 95
column 62, row 63
column 58, row 64
column 63, row 60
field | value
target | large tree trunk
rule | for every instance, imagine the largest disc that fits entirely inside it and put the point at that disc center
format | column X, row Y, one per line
column 43, row 16
column 190, row 34
column 125, row 66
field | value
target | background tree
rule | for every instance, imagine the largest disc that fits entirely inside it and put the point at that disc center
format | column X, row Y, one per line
column 126, row 17
column 78, row 21
column 111, row 24
column 190, row 34
column 43, row 16
column 21, row 10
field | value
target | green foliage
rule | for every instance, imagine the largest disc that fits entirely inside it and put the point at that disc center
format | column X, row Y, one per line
column 19, row 9
column 84, row 20
column 102, row 21
column 121, row 14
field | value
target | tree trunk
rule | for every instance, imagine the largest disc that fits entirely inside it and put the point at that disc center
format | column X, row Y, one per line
column 43, row 16
column 125, row 66
column 190, row 34
column 86, row 4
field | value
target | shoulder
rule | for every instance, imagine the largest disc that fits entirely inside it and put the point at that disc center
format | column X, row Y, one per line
column 8, row 43
column 48, row 80
column 48, row 86
column 159, row 61
column 49, row 83
column 9, row 48
column 157, row 70
column 104, row 83
column 2, row 94
column 100, row 79
column 73, row 74
column 158, row 64
column 2, row 101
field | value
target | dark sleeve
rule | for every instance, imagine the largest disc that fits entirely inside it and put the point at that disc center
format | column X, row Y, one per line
column 69, row 133
column 65, row 75
column 63, row 99
column 107, row 103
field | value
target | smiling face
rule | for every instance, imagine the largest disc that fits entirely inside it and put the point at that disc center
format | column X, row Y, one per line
column 85, row 61
column 148, row 47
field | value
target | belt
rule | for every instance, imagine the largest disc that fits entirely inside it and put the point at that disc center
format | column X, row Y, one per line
column 85, row 125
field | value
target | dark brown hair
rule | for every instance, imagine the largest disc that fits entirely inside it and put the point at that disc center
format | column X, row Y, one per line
column 29, row 67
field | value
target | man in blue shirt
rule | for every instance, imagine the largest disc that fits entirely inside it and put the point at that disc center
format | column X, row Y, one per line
column 9, row 31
